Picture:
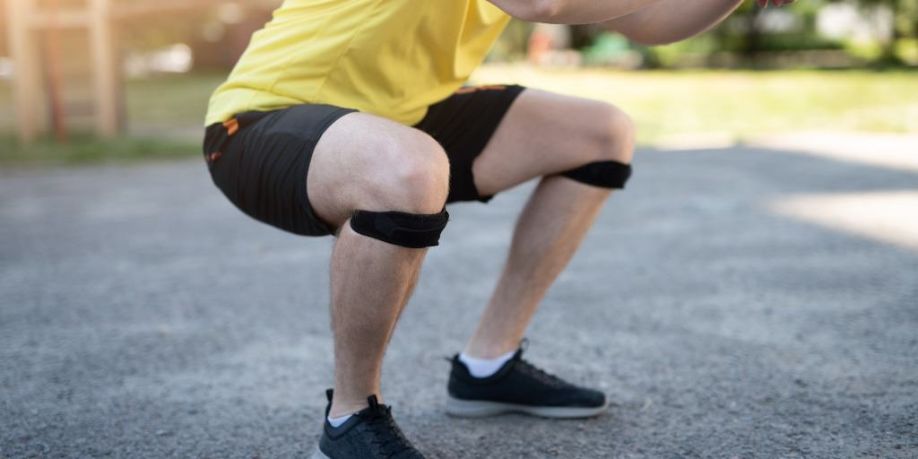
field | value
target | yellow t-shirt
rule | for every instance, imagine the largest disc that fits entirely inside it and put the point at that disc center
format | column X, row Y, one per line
column 391, row 58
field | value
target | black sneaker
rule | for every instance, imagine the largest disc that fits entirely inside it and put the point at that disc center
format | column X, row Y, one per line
column 368, row 434
column 519, row 387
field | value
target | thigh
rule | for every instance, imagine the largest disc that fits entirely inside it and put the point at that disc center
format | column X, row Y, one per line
column 307, row 168
column 463, row 124
column 260, row 161
column 365, row 162
column 542, row 134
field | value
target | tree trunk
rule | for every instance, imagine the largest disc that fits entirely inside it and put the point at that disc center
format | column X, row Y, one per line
column 752, row 42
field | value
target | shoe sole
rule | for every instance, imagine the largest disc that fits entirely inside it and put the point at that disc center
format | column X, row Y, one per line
column 480, row 409
column 318, row 454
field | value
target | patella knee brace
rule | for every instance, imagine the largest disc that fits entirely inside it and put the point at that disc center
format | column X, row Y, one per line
column 414, row 231
column 604, row 174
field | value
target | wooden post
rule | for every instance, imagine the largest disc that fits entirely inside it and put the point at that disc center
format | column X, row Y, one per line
column 27, row 75
column 53, row 71
column 105, row 69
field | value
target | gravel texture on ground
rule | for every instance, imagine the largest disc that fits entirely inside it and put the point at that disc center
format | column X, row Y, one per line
column 141, row 315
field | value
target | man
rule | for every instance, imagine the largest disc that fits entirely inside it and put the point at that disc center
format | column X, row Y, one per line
column 348, row 118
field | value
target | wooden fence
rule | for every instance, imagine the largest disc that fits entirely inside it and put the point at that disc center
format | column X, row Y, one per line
column 34, row 31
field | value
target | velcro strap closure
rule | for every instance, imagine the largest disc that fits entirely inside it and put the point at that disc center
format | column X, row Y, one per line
column 415, row 231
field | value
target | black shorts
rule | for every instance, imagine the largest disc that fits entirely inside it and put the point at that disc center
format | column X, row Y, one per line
column 260, row 160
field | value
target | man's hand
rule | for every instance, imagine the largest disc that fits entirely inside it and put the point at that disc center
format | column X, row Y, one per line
column 764, row 3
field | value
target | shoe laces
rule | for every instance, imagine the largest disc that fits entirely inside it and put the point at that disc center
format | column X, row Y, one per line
column 540, row 374
column 386, row 434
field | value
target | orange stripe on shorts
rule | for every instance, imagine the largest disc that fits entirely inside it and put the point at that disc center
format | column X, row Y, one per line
column 231, row 125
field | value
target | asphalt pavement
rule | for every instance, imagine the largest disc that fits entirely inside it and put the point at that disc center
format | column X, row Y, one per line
column 141, row 315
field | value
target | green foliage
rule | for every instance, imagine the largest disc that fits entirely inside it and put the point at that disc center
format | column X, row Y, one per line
column 606, row 48
column 744, row 37
column 905, row 30
column 907, row 49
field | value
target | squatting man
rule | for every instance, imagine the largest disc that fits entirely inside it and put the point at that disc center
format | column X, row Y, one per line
column 350, row 118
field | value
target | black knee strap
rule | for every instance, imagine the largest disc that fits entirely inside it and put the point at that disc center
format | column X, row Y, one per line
column 604, row 174
column 414, row 231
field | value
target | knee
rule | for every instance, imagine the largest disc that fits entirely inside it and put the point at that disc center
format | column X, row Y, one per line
column 407, row 198
column 615, row 134
column 607, row 163
column 418, row 176
column 422, row 184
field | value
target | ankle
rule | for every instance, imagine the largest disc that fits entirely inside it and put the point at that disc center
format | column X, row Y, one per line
column 342, row 408
column 489, row 351
column 484, row 368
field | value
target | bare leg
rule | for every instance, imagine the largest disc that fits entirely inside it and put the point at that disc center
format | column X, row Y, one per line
column 543, row 134
column 371, row 282
column 546, row 236
column 366, row 163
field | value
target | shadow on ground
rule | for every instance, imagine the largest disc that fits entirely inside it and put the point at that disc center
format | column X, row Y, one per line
column 142, row 316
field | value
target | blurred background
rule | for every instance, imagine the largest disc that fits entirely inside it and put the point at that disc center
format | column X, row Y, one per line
column 752, row 294
column 115, row 79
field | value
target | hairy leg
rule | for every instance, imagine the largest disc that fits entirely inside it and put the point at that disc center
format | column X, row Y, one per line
column 367, row 163
column 543, row 134
column 370, row 283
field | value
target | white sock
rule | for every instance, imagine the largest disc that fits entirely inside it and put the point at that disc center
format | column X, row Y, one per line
column 482, row 368
column 339, row 421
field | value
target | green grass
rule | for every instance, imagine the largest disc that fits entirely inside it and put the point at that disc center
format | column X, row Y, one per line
column 165, row 113
column 83, row 149
column 179, row 101
column 738, row 104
